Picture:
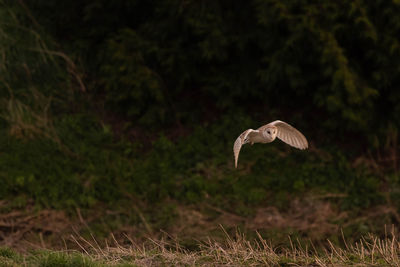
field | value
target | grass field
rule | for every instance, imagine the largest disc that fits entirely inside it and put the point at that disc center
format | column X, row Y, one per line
column 117, row 121
column 235, row 250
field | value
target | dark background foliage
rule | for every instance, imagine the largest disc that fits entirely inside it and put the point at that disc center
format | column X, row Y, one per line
column 109, row 101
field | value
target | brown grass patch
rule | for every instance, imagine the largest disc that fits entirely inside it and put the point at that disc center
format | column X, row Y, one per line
column 237, row 250
column 314, row 219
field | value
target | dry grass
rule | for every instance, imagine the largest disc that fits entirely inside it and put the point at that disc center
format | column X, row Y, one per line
column 239, row 251
column 312, row 219
column 226, row 248
column 27, row 123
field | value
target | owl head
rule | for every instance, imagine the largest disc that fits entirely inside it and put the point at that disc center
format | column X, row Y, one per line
column 270, row 132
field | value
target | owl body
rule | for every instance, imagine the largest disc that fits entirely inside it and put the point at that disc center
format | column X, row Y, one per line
column 259, row 139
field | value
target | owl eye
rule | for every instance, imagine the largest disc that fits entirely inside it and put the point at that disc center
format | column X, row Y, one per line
column 268, row 132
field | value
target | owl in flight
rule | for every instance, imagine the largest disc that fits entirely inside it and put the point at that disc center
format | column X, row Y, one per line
column 267, row 134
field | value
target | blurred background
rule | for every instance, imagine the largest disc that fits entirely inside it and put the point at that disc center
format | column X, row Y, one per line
column 120, row 116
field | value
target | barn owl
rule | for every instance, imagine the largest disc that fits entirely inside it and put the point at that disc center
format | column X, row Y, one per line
column 267, row 134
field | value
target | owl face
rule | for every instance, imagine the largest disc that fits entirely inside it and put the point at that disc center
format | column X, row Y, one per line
column 270, row 132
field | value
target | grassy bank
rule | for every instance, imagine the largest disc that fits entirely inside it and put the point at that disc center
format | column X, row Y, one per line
column 126, row 125
column 233, row 251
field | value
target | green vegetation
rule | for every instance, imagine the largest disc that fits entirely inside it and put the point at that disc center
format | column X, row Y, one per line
column 127, row 111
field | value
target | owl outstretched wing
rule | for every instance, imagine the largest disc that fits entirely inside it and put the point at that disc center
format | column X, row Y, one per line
column 239, row 142
column 290, row 135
